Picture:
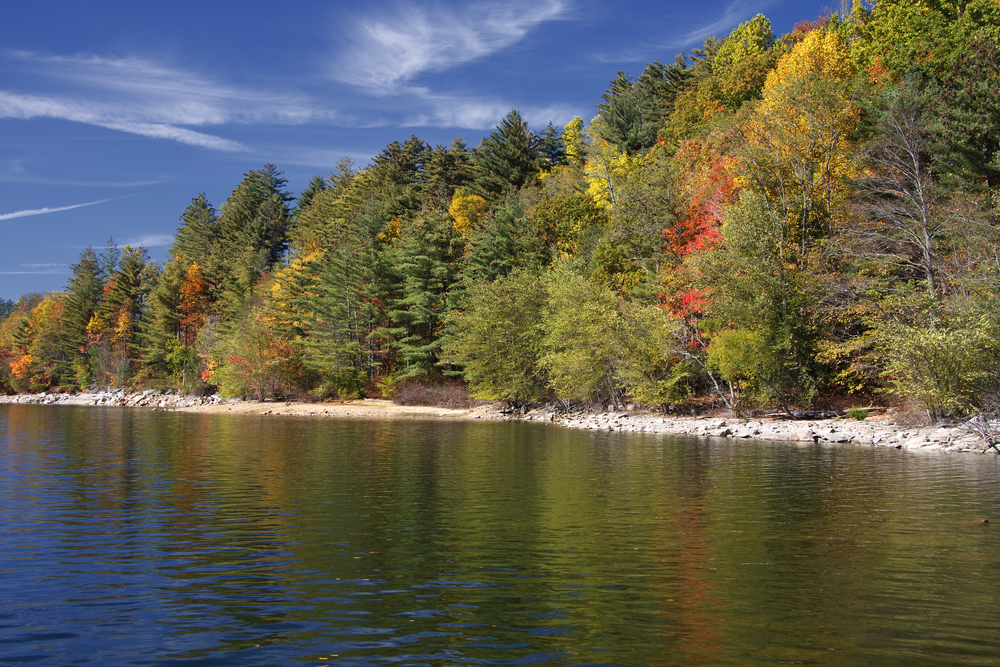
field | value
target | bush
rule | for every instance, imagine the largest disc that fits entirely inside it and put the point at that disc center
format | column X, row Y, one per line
column 860, row 414
column 255, row 360
column 944, row 366
column 584, row 340
column 497, row 338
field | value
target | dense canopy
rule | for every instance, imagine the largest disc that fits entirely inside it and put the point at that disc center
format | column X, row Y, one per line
column 766, row 221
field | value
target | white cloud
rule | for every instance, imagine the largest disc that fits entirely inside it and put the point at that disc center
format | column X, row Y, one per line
column 736, row 13
column 483, row 114
column 471, row 114
column 42, row 266
column 386, row 53
column 150, row 241
column 142, row 97
column 40, row 211
column 315, row 157
column 733, row 14
column 103, row 115
column 47, row 272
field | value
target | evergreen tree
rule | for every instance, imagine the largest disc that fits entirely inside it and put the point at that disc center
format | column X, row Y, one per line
column 427, row 262
column 160, row 330
column 509, row 239
column 507, row 159
column 967, row 148
column 337, row 321
column 342, row 199
column 108, row 259
column 253, row 230
column 552, row 148
column 448, row 169
column 83, row 293
column 633, row 112
column 402, row 164
column 113, row 330
column 316, row 185
column 198, row 233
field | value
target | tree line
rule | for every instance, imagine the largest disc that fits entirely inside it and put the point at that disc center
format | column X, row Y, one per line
column 764, row 221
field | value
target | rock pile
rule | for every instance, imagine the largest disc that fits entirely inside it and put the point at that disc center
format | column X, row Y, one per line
column 148, row 398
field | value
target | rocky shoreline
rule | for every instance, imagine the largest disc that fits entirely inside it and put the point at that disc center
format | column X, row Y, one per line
column 872, row 431
column 143, row 399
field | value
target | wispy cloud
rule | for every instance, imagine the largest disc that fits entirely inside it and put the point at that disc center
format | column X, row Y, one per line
column 47, row 272
column 143, row 97
column 482, row 114
column 42, row 266
column 41, row 211
column 150, row 241
column 13, row 105
column 733, row 14
column 323, row 158
column 385, row 54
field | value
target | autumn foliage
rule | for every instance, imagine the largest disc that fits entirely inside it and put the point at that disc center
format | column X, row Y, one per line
column 762, row 221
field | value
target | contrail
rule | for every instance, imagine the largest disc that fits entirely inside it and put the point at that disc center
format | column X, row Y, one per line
column 39, row 211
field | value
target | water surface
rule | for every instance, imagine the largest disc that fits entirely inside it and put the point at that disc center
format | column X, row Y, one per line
column 143, row 538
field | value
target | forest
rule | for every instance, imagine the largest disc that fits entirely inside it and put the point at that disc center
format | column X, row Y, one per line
column 763, row 222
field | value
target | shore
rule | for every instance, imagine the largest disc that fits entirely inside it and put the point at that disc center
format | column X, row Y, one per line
column 360, row 408
column 875, row 431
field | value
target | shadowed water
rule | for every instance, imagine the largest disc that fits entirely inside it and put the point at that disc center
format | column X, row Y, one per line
column 134, row 537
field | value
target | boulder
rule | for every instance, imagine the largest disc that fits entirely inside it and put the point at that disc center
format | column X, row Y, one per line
column 803, row 435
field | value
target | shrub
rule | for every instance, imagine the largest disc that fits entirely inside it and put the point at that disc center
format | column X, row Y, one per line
column 943, row 366
column 497, row 338
column 857, row 413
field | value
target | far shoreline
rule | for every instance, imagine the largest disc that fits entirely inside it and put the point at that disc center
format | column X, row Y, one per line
column 872, row 431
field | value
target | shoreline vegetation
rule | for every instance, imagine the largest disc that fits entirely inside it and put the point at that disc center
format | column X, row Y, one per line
column 872, row 430
column 765, row 223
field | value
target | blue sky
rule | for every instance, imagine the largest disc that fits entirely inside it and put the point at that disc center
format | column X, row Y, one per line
column 114, row 115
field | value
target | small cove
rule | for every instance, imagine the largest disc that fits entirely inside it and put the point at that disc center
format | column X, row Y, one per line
column 138, row 537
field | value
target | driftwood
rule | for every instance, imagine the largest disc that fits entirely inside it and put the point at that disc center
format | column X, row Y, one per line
column 986, row 426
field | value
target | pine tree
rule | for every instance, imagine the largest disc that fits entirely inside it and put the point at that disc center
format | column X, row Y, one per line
column 316, row 185
column 507, row 159
column 336, row 324
column 552, row 148
column 448, row 169
column 427, row 262
column 159, row 331
column 509, row 239
column 83, row 293
column 253, row 231
column 633, row 111
column 198, row 233
column 402, row 164
column 113, row 330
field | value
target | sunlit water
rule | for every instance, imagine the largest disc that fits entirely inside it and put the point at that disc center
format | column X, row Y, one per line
column 134, row 537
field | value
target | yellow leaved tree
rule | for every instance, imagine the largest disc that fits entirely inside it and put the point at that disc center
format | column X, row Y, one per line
column 795, row 146
column 606, row 167
column 467, row 210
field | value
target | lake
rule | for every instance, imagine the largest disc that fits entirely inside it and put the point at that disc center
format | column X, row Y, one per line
column 132, row 537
